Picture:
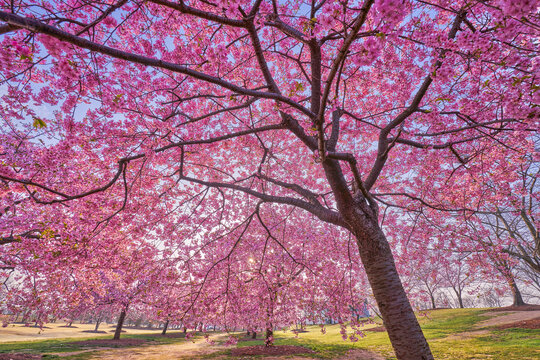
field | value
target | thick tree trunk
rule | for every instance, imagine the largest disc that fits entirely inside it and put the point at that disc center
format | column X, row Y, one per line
column 119, row 325
column 165, row 326
column 433, row 302
column 518, row 299
column 360, row 216
column 398, row 316
column 254, row 335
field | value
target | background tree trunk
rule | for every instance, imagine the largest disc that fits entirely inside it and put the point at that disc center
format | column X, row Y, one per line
column 119, row 325
column 460, row 298
column 165, row 326
column 518, row 299
column 98, row 321
column 268, row 335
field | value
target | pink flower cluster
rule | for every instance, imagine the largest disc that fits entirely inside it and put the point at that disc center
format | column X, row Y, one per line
column 189, row 336
column 68, row 69
column 343, row 331
column 269, row 340
column 207, row 339
column 370, row 51
column 390, row 11
column 231, row 341
column 518, row 8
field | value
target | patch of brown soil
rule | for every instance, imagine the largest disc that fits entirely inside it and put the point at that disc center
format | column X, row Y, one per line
column 464, row 335
column 508, row 318
column 110, row 342
column 73, row 353
column 270, row 350
column 358, row 354
column 19, row 356
column 525, row 324
column 518, row 308
column 380, row 328
column 181, row 350
column 174, row 335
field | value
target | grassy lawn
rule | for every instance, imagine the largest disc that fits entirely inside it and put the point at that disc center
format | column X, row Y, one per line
column 73, row 344
column 452, row 334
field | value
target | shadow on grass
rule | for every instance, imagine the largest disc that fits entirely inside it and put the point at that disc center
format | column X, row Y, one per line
column 37, row 347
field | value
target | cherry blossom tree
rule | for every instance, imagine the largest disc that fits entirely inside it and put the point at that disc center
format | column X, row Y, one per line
column 117, row 114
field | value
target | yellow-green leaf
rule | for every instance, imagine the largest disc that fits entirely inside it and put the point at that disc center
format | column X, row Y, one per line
column 39, row 123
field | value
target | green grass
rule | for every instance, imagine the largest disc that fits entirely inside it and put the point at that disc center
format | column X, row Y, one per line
column 72, row 344
column 507, row 344
column 451, row 333
column 440, row 328
column 442, row 323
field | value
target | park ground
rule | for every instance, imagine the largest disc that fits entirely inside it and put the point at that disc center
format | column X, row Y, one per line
column 452, row 333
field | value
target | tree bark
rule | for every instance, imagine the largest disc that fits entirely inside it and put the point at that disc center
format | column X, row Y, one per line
column 119, row 325
column 98, row 321
column 269, row 334
column 165, row 326
column 254, row 335
column 360, row 216
column 398, row 316
column 518, row 299
column 460, row 299
column 431, row 295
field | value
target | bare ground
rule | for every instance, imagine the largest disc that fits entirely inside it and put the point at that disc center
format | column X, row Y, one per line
column 503, row 318
column 184, row 350
column 525, row 318
column 193, row 350
column 19, row 356
column 19, row 332
column 525, row 324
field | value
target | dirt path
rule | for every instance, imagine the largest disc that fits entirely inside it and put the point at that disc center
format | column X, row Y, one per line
column 19, row 332
column 356, row 354
column 507, row 317
column 499, row 318
column 184, row 350
column 192, row 350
